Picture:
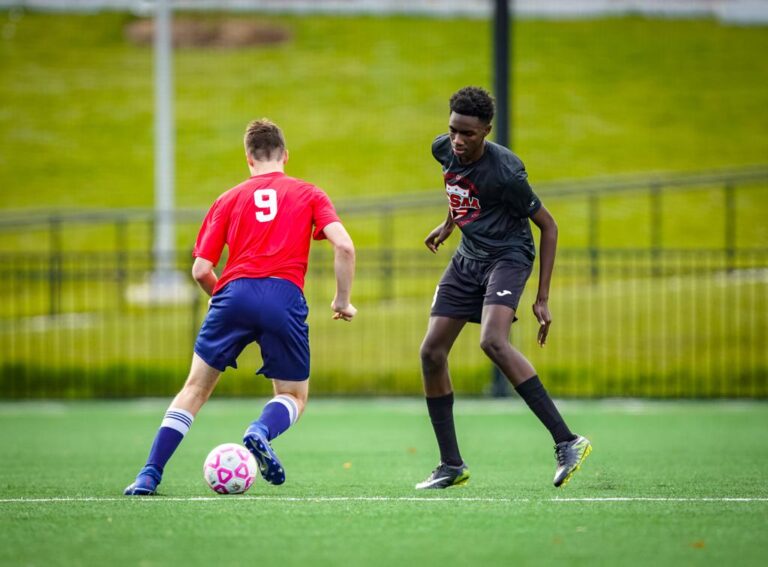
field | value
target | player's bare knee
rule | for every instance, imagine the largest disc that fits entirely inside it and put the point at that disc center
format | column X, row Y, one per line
column 494, row 346
column 432, row 358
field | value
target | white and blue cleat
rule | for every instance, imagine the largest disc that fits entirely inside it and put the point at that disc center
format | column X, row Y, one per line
column 146, row 482
column 270, row 467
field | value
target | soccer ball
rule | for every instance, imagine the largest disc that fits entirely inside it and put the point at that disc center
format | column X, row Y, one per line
column 230, row 469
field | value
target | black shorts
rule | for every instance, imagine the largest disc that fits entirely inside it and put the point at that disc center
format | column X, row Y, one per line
column 467, row 285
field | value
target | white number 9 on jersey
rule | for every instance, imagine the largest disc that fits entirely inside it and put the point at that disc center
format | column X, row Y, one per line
column 266, row 204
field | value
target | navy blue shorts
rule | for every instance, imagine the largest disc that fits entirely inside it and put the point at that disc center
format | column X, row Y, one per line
column 269, row 311
column 467, row 285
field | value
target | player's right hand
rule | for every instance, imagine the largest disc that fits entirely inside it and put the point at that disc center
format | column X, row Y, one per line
column 344, row 313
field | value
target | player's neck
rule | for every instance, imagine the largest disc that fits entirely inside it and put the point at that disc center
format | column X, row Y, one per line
column 263, row 167
column 473, row 158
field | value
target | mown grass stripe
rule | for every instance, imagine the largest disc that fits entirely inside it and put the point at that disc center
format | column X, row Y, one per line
column 614, row 499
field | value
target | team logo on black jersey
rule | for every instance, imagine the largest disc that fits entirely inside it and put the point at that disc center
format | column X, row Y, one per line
column 462, row 198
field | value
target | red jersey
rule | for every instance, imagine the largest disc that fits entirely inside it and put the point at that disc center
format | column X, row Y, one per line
column 267, row 222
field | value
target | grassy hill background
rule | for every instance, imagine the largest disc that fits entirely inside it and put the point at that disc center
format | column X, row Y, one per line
column 361, row 98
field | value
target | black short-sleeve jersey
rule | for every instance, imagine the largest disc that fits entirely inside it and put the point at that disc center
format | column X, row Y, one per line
column 491, row 201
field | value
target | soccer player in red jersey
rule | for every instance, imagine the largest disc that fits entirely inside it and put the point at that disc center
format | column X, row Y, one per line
column 267, row 222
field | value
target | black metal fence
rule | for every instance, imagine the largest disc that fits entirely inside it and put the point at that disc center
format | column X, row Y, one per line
column 667, row 324
column 650, row 319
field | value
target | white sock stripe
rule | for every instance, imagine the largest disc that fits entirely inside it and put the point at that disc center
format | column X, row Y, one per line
column 173, row 419
column 175, row 424
column 178, row 419
column 181, row 415
column 182, row 412
column 290, row 405
column 182, row 418
column 295, row 406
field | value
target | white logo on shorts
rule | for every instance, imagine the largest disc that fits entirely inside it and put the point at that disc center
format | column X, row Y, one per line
column 434, row 297
column 503, row 293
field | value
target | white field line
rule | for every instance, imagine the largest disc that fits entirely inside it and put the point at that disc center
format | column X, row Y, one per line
column 301, row 499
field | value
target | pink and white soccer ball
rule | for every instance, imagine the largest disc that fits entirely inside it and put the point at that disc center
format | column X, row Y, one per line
column 230, row 469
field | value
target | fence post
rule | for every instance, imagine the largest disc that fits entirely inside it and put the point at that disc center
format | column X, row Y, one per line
column 54, row 266
column 151, row 239
column 594, row 237
column 655, row 228
column 499, row 387
column 121, row 245
column 386, row 247
column 729, row 238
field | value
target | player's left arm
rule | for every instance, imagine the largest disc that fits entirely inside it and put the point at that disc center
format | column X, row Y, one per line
column 344, row 268
column 547, row 247
column 202, row 271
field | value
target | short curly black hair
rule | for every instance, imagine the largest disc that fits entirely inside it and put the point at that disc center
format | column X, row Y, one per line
column 473, row 101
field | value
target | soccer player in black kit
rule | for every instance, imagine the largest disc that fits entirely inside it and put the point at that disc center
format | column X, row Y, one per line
column 490, row 200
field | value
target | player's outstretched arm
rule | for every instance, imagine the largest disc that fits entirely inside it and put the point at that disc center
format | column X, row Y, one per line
column 547, row 246
column 202, row 271
column 439, row 234
column 344, row 267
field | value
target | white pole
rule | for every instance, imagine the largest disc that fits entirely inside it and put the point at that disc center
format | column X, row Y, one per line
column 165, row 285
column 164, row 243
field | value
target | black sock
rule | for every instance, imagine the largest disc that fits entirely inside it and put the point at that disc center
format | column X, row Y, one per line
column 537, row 398
column 441, row 415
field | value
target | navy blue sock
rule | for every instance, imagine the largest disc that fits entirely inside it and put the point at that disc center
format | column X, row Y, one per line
column 277, row 416
column 172, row 430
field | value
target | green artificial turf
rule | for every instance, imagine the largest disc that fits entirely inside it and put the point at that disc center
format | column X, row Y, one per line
column 667, row 483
